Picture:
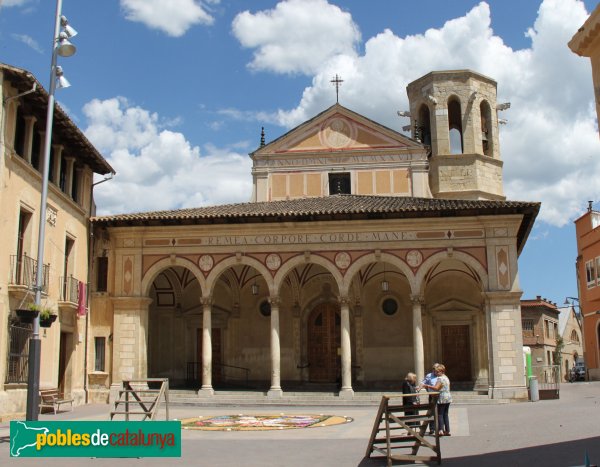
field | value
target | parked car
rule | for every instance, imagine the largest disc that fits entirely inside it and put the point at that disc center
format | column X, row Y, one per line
column 577, row 373
column 580, row 368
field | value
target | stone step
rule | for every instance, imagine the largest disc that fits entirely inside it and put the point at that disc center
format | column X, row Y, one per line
column 249, row 398
column 225, row 395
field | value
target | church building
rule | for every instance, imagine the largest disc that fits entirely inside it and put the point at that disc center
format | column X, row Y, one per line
column 363, row 254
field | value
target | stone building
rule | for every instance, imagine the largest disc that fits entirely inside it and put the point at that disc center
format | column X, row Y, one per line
column 363, row 255
column 73, row 161
column 569, row 328
column 539, row 320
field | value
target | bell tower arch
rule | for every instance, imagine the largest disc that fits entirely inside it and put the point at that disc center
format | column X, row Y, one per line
column 455, row 112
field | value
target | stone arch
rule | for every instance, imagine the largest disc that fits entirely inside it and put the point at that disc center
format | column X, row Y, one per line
column 166, row 263
column 372, row 258
column 433, row 260
column 216, row 272
column 423, row 123
column 487, row 129
column 287, row 267
column 455, row 124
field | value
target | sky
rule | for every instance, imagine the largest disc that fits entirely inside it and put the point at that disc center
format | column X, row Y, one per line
column 174, row 93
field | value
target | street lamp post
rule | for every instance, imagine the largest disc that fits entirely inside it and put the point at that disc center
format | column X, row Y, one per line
column 60, row 46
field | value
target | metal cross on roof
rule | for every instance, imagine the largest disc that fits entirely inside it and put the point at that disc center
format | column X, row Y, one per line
column 337, row 82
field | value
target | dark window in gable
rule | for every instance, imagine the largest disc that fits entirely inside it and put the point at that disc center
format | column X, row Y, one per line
column 339, row 184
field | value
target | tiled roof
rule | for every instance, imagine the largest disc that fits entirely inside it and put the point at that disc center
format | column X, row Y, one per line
column 69, row 133
column 336, row 207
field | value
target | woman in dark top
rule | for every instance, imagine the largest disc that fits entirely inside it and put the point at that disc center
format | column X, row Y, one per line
column 409, row 386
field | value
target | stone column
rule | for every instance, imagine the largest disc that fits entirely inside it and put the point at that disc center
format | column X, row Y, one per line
column 130, row 339
column 418, row 352
column 206, row 389
column 28, row 146
column 346, row 392
column 69, row 175
column 505, row 344
column 55, row 171
column 275, row 390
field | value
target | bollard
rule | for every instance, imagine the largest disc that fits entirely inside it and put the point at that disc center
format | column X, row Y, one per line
column 534, row 392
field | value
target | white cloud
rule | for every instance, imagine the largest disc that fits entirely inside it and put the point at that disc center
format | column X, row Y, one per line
column 28, row 41
column 173, row 17
column 12, row 2
column 550, row 145
column 158, row 168
column 297, row 36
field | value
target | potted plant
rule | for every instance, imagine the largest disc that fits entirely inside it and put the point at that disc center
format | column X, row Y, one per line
column 27, row 315
column 47, row 318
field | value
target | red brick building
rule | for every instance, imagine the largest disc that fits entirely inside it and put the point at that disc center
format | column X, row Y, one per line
column 587, row 229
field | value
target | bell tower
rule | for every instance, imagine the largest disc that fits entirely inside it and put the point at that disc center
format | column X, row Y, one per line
column 455, row 113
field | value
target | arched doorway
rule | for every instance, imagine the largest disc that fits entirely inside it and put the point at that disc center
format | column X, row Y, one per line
column 324, row 343
column 174, row 316
column 454, row 322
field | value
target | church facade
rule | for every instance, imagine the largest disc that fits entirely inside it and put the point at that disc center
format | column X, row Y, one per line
column 363, row 254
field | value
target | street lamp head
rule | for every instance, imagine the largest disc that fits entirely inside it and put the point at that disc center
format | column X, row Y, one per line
column 69, row 30
column 64, row 47
column 61, row 81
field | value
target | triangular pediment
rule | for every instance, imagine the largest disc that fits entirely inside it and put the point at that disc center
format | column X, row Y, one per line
column 453, row 305
column 338, row 129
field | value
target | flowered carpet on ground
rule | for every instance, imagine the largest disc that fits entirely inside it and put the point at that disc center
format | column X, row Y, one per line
column 261, row 422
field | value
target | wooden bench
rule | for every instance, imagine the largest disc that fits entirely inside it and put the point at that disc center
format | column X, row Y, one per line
column 52, row 398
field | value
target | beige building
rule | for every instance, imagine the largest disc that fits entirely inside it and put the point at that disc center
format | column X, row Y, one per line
column 586, row 43
column 72, row 165
column 363, row 255
column 569, row 328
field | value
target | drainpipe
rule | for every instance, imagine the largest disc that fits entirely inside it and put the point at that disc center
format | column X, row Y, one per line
column 89, row 282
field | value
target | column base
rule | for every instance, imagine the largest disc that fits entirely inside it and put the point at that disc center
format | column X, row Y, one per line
column 206, row 391
column 113, row 394
column 275, row 393
column 516, row 393
column 346, row 393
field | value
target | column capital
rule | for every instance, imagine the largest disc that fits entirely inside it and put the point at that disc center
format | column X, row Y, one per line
column 344, row 300
column 275, row 301
column 417, row 299
column 502, row 296
column 206, row 301
column 131, row 303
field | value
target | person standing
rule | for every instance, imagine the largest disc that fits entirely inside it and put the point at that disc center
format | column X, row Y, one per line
column 442, row 385
column 409, row 386
column 429, row 381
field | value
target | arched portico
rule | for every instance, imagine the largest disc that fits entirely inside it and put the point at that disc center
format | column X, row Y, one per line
column 454, row 317
column 174, row 321
column 390, row 344
column 165, row 263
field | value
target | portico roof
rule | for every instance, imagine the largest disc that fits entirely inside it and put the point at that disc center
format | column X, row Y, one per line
column 330, row 208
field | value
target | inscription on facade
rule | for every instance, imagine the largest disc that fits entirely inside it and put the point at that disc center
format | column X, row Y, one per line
column 329, row 160
column 320, row 238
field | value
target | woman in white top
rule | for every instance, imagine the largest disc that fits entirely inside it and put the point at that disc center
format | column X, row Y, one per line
column 442, row 385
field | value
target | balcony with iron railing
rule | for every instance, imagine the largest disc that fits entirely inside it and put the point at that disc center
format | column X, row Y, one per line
column 23, row 273
column 70, row 290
